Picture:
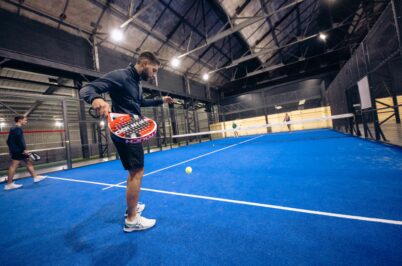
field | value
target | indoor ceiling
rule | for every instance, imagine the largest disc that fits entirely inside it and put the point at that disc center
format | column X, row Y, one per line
column 242, row 44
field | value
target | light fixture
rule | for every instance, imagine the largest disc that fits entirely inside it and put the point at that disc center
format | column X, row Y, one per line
column 205, row 76
column 102, row 123
column 175, row 62
column 58, row 124
column 2, row 124
column 323, row 36
column 117, row 35
column 278, row 107
column 301, row 102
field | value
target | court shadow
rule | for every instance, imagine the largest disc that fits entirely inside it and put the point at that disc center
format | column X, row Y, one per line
column 97, row 236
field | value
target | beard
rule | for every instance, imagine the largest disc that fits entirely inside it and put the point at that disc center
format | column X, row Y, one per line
column 144, row 75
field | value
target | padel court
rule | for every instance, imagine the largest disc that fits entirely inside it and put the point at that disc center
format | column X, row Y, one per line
column 253, row 132
column 313, row 197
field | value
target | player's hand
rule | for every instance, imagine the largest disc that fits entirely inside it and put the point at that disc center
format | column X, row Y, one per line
column 167, row 99
column 101, row 107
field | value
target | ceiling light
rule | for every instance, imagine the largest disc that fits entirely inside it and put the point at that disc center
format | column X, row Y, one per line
column 278, row 107
column 205, row 76
column 175, row 62
column 2, row 124
column 102, row 123
column 117, row 35
column 58, row 124
column 301, row 102
column 323, row 36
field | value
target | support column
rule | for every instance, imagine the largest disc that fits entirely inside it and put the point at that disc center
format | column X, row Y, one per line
column 269, row 129
column 377, row 128
column 95, row 54
column 173, row 121
column 163, row 122
column 397, row 12
column 83, row 125
column 67, row 135
column 158, row 134
column 210, row 117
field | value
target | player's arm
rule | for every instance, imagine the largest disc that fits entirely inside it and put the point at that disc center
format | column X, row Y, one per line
column 155, row 102
column 92, row 92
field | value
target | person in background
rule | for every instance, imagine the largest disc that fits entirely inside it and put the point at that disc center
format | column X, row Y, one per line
column 234, row 126
column 287, row 119
column 17, row 147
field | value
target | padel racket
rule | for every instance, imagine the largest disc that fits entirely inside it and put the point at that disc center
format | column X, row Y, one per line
column 129, row 128
column 33, row 156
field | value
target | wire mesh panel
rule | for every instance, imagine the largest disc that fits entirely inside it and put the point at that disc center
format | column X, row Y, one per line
column 89, row 137
column 377, row 58
column 44, row 133
column 203, row 120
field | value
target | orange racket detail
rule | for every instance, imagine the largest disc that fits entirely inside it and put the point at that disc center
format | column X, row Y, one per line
column 129, row 128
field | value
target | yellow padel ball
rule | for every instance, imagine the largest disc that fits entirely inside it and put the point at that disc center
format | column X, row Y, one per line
column 189, row 170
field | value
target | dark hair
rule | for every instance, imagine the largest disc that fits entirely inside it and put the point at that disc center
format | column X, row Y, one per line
column 18, row 118
column 149, row 56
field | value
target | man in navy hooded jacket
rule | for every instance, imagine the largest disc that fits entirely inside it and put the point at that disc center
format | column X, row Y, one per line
column 124, row 88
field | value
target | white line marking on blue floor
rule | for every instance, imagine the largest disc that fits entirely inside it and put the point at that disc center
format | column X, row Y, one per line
column 189, row 160
column 269, row 206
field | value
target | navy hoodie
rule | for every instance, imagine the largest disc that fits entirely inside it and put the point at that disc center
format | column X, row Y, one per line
column 16, row 140
column 124, row 88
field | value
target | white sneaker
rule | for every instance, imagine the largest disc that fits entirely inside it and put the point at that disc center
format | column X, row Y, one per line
column 140, row 208
column 39, row 178
column 12, row 186
column 139, row 223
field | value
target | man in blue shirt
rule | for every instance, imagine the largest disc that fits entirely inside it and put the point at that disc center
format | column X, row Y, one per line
column 124, row 88
column 17, row 147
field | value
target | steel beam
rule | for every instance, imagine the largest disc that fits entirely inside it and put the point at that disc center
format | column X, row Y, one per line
column 237, row 28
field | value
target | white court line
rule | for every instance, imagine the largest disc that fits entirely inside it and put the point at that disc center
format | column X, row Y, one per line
column 189, row 160
column 269, row 206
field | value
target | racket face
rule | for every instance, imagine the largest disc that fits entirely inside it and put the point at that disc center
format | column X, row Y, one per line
column 131, row 128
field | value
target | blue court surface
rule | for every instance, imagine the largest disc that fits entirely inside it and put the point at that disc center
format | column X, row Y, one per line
column 314, row 197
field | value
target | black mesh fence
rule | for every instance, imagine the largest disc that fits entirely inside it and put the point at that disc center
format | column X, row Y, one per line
column 378, row 57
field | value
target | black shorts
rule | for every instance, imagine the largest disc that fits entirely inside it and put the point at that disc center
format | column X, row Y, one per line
column 19, row 156
column 131, row 155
